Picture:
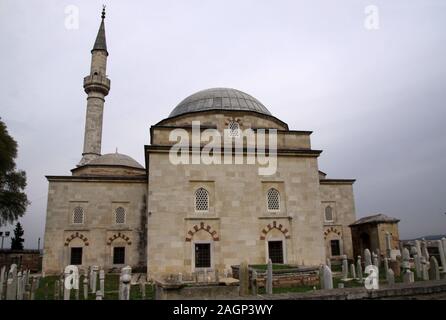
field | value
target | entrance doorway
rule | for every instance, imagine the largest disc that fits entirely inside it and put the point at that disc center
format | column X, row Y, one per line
column 275, row 251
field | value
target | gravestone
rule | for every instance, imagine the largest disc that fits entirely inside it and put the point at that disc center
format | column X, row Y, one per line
column 353, row 271
column 327, row 278
column 94, row 278
column 442, row 254
column 321, row 276
column 125, row 279
column 418, row 270
column 269, row 277
column 418, row 247
column 367, row 258
column 408, row 277
column 406, row 259
column 375, row 260
column 99, row 295
column 102, row 282
column 254, row 283
column 395, row 265
column 386, row 265
column 390, row 277
column 434, row 270
column 359, row 268
column 424, row 251
column 20, row 286
column 344, row 267
column 85, row 287
column 443, row 242
column 244, row 278
column 11, row 290
column 424, row 269
column 142, row 287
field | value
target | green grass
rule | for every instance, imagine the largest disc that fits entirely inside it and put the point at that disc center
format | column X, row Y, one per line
column 263, row 267
column 45, row 290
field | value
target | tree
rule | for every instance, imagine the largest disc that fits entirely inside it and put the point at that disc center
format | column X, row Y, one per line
column 13, row 200
column 17, row 240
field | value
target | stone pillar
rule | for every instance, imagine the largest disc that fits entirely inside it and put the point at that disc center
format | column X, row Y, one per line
column 424, row 269
column 344, row 267
column 327, row 278
column 442, row 254
column 390, row 277
column 244, row 278
column 359, row 268
column 434, row 270
column 269, row 277
column 85, row 287
column 102, row 282
column 254, row 283
column 353, row 271
column 367, row 258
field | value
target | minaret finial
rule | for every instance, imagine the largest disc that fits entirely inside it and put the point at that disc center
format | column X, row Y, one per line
column 103, row 12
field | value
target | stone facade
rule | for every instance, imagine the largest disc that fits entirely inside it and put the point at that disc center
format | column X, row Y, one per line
column 112, row 211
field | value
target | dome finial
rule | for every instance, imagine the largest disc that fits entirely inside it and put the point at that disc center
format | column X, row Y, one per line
column 103, row 12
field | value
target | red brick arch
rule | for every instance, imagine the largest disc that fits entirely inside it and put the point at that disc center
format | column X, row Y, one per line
column 331, row 230
column 277, row 226
column 119, row 235
column 204, row 227
column 76, row 235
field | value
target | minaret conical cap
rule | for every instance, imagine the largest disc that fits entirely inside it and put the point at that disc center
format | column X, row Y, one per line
column 101, row 43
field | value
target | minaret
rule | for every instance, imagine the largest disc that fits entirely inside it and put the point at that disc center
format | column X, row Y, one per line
column 97, row 86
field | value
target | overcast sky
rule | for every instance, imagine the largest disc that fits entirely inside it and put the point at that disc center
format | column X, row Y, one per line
column 375, row 99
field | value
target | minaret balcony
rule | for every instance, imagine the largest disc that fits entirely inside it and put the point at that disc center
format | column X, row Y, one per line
column 97, row 82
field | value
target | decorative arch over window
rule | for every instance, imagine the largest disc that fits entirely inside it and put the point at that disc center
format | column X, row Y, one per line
column 201, row 200
column 78, row 215
column 202, row 226
column 273, row 199
column 331, row 230
column 119, row 235
column 277, row 226
column 329, row 214
column 76, row 235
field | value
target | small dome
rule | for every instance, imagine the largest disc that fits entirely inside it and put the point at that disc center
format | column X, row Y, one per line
column 116, row 159
column 219, row 99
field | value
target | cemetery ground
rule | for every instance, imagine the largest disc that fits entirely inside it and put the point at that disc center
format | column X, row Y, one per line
column 46, row 289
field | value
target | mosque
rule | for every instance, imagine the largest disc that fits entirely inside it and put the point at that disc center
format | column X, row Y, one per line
column 168, row 217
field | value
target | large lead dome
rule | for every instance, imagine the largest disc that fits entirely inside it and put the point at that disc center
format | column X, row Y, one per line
column 219, row 99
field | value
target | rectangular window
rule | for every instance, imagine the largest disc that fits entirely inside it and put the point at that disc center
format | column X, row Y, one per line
column 76, row 256
column 275, row 251
column 118, row 255
column 335, row 248
column 202, row 255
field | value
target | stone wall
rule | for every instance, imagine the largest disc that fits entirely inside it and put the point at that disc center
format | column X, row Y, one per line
column 99, row 233
column 339, row 196
column 24, row 259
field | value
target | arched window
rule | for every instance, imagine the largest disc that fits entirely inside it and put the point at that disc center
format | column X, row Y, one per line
column 234, row 128
column 120, row 215
column 201, row 200
column 78, row 215
column 273, row 200
column 328, row 214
